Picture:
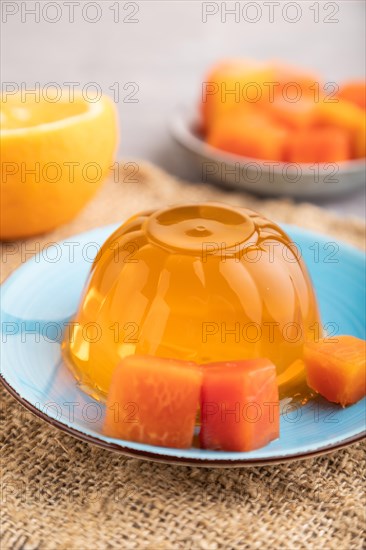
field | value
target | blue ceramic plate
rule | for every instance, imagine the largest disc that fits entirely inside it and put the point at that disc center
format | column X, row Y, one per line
column 40, row 298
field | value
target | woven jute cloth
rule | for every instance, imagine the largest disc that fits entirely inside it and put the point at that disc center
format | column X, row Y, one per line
column 61, row 493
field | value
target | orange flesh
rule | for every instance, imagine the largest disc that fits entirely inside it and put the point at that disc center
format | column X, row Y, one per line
column 336, row 368
column 15, row 114
column 47, row 149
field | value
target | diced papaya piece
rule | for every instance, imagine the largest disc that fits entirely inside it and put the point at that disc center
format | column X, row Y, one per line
column 348, row 117
column 319, row 145
column 359, row 142
column 341, row 114
column 153, row 400
column 355, row 92
column 239, row 405
column 295, row 115
column 231, row 84
column 336, row 368
column 251, row 136
column 293, row 81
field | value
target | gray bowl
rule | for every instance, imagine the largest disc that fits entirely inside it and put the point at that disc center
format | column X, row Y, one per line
column 265, row 177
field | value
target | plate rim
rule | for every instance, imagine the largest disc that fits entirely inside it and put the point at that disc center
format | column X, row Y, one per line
column 171, row 459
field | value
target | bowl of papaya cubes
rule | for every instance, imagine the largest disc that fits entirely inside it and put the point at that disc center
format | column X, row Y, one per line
column 274, row 129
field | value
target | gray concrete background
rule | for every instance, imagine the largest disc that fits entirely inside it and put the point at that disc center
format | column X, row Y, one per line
column 166, row 52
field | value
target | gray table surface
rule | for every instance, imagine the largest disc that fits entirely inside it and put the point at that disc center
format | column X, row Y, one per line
column 164, row 49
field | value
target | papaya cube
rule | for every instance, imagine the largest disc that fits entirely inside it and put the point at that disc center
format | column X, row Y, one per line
column 319, row 145
column 347, row 117
column 295, row 115
column 355, row 92
column 250, row 136
column 359, row 143
column 340, row 114
column 153, row 400
column 336, row 368
column 239, row 405
column 232, row 83
column 291, row 79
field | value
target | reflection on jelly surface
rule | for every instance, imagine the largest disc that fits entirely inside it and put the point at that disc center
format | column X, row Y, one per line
column 203, row 283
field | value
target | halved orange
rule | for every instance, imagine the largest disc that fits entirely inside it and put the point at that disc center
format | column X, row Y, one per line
column 54, row 157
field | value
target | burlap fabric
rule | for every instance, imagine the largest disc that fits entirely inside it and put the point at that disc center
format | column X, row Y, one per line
column 61, row 493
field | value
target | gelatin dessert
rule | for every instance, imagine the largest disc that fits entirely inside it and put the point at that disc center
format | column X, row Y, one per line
column 202, row 283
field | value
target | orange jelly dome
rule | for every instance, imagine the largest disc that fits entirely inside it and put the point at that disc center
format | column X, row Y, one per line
column 203, row 283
